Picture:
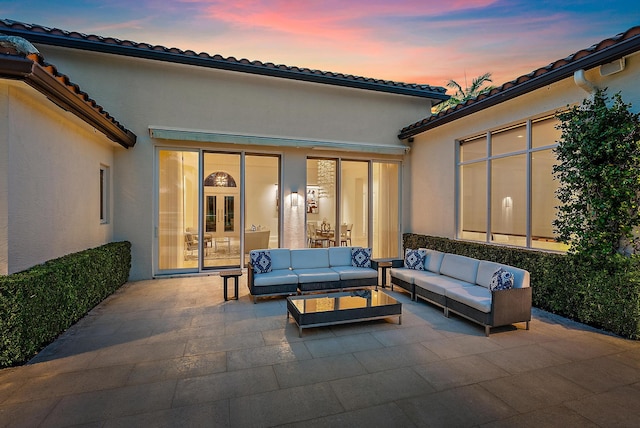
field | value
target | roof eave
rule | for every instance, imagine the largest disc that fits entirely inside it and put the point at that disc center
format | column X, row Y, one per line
column 612, row 53
column 132, row 51
column 33, row 74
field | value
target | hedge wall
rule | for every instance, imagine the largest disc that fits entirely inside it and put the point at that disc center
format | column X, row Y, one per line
column 604, row 294
column 38, row 304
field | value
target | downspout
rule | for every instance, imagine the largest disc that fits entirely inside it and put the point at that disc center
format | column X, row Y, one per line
column 582, row 82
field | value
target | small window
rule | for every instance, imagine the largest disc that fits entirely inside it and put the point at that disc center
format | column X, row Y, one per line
column 104, row 194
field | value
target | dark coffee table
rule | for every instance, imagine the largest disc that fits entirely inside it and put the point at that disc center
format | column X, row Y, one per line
column 319, row 310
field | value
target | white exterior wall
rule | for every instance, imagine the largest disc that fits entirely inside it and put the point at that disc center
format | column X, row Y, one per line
column 430, row 191
column 143, row 93
column 49, row 190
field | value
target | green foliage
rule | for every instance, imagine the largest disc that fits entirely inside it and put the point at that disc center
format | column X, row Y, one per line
column 462, row 95
column 604, row 293
column 599, row 173
column 40, row 303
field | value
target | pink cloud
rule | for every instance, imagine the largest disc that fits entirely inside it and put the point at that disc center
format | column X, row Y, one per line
column 330, row 20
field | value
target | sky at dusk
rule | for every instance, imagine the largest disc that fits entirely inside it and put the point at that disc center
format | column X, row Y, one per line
column 427, row 42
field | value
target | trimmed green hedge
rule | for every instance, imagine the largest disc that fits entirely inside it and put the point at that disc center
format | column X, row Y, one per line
column 604, row 294
column 40, row 303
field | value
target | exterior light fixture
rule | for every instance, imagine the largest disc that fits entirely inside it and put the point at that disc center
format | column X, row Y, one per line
column 294, row 199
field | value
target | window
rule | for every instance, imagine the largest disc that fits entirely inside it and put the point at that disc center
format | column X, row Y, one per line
column 506, row 187
column 104, row 194
column 361, row 197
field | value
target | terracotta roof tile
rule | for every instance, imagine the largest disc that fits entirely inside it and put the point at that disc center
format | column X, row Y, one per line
column 601, row 53
column 40, row 34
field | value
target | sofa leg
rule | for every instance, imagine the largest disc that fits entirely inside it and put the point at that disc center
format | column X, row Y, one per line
column 255, row 300
column 446, row 312
column 527, row 325
column 487, row 330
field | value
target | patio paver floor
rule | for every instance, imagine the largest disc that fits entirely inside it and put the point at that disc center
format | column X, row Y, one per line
column 172, row 352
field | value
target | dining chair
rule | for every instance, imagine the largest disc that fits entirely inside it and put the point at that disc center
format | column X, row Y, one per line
column 312, row 236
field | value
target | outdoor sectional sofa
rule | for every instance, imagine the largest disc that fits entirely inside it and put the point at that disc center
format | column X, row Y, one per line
column 282, row 271
column 463, row 285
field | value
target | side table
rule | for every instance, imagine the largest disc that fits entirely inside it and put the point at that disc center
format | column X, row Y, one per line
column 235, row 274
column 383, row 265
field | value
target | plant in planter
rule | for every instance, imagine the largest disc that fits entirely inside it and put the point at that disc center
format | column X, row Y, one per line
column 599, row 173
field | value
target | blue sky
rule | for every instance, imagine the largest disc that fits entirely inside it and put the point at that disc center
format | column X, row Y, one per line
column 405, row 40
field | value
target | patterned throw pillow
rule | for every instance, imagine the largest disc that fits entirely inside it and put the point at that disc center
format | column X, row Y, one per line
column 261, row 261
column 361, row 257
column 414, row 259
column 501, row 280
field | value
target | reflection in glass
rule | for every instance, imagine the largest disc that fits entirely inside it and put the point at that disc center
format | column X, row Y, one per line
column 178, row 244
column 386, row 209
column 473, row 201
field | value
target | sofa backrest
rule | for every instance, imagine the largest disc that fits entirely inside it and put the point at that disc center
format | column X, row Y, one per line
column 460, row 267
column 280, row 258
column 309, row 258
column 486, row 269
column 433, row 261
column 340, row 256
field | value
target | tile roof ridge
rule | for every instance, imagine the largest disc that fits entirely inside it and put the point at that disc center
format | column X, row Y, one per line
column 498, row 91
column 36, row 28
column 74, row 88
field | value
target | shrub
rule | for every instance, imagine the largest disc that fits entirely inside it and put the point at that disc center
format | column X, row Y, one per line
column 38, row 304
column 599, row 173
column 604, row 293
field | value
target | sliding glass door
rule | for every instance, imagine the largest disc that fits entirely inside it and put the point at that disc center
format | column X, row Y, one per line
column 354, row 203
column 386, row 212
column 262, row 206
column 200, row 208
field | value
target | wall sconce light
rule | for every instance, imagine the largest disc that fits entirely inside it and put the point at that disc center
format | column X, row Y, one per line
column 294, row 199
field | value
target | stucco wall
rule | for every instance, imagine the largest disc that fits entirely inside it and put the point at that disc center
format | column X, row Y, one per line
column 142, row 93
column 430, row 205
column 53, row 180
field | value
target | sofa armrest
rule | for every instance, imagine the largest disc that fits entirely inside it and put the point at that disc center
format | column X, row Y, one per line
column 397, row 263
column 250, row 276
column 510, row 306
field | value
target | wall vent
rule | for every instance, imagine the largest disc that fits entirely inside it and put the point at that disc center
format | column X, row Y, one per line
column 612, row 67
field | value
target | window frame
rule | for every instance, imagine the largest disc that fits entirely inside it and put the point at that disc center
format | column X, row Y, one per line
column 105, row 192
column 488, row 159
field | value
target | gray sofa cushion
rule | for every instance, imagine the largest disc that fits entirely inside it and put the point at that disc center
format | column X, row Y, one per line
column 316, row 275
column 280, row 258
column 433, row 261
column 439, row 284
column 275, row 277
column 339, row 256
column 407, row 275
column 460, row 267
column 485, row 272
column 351, row 272
column 309, row 258
column 476, row 297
